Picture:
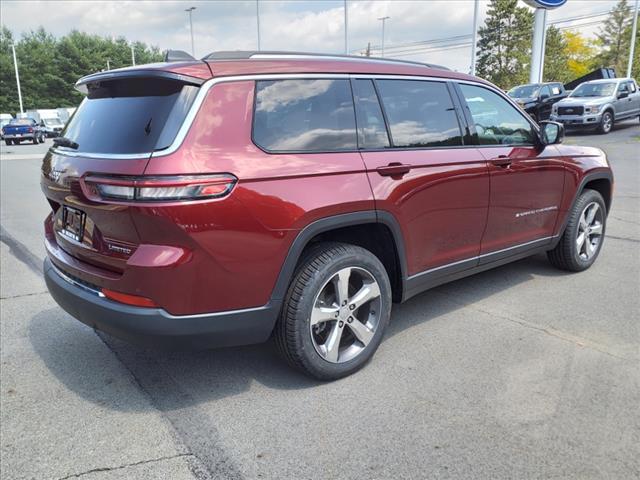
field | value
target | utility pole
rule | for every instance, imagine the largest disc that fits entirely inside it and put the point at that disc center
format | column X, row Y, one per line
column 258, row 22
column 15, row 64
column 190, row 10
column 384, row 19
column 474, row 43
column 346, row 24
column 634, row 30
column 133, row 56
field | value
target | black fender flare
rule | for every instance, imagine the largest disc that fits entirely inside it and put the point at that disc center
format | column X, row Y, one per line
column 590, row 177
column 327, row 224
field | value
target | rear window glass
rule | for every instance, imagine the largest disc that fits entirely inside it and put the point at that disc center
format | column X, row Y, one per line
column 22, row 121
column 304, row 116
column 420, row 113
column 130, row 116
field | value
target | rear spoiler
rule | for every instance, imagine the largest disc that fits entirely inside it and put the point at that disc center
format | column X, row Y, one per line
column 82, row 84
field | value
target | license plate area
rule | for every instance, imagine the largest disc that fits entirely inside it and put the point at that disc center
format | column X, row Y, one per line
column 72, row 223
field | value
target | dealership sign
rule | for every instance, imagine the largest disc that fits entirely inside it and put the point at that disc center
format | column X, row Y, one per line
column 548, row 4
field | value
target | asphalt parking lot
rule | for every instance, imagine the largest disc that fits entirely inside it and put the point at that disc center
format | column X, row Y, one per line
column 519, row 372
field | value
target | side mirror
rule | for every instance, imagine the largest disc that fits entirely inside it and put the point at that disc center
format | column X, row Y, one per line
column 551, row 132
column 623, row 94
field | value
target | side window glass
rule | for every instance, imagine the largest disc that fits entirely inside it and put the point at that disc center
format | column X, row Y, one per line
column 420, row 113
column 545, row 91
column 304, row 115
column 497, row 121
column 623, row 87
column 555, row 90
column 632, row 87
column 372, row 132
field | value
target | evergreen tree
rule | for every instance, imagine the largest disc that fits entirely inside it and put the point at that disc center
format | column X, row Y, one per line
column 556, row 57
column 8, row 88
column 614, row 38
column 504, row 45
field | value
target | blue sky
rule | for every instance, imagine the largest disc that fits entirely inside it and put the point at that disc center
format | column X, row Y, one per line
column 316, row 26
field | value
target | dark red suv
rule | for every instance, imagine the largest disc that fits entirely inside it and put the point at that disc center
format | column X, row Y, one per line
column 249, row 195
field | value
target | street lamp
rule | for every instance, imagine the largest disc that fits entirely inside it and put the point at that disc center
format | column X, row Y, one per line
column 190, row 10
column 346, row 23
column 384, row 19
column 15, row 64
column 133, row 56
column 474, row 42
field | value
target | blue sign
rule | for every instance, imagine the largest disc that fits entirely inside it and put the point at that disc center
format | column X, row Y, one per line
column 548, row 4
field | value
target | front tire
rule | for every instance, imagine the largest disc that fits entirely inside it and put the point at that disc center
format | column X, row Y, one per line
column 606, row 123
column 335, row 311
column 583, row 236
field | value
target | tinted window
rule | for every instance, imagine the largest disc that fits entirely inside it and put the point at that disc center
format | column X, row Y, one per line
column 372, row 132
column 632, row 87
column 304, row 115
column 420, row 113
column 545, row 91
column 623, row 87
column 497, row 121
column 130, row 116
column 22, row 121
column 555, row 89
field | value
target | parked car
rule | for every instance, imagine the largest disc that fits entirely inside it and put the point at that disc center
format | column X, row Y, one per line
column 537, row 98
column 598, row 104
column 20, row 129
column 5, row 118
column 297, row 196
column 52, row 126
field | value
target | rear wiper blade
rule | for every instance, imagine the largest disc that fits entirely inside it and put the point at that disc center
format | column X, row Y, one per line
column 65, row 142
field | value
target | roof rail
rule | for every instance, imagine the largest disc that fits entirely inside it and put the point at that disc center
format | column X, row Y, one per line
column 274, row 55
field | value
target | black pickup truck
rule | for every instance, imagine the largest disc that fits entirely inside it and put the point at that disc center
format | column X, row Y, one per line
column 537, row 98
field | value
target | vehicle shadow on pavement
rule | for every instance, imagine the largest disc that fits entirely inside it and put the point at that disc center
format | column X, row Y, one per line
column 623, row 125
column 184, row 379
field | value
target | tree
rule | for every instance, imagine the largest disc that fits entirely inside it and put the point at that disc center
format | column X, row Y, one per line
column 580, row 54
column 49, row 67
column 635, row 68
column 614, row 38
column 556, row 57
column 504, row 44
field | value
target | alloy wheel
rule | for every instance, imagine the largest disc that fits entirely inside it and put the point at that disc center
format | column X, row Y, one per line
column 590, row 231
column 607, row 122
column 345, row 315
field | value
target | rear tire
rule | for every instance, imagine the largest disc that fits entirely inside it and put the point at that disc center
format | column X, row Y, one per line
column 35, row 139
column 335, row 311
column 583, row 236
column 606, row 123
column 8, row 142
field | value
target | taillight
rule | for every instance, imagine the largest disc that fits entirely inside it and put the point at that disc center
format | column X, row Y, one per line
column 158, row 189
column 30, row 130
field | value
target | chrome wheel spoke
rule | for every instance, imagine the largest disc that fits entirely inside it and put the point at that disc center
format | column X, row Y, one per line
column 591, row 213
column 580, row 241
column 363, row 333
column 323, row 314
column 332, row 345
column 368, row 292
column 589, row 248
column 596, row 229
column 341, row 283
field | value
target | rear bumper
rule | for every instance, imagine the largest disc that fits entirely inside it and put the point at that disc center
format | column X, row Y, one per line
column 26, row 136
column 154, row 327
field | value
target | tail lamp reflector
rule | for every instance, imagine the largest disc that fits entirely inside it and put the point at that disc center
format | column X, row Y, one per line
column 125, row 298
column 160, row 188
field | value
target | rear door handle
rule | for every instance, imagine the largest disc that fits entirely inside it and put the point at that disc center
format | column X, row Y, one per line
column 501, row 161
column 394, row 169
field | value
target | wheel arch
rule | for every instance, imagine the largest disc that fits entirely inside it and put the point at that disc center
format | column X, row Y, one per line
column 377, row 231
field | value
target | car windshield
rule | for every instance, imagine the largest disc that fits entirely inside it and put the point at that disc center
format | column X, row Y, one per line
column 524, row 91
column 594, row 90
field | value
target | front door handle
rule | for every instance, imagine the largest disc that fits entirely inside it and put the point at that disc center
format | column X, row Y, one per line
column 394, row 170
column 501, row 161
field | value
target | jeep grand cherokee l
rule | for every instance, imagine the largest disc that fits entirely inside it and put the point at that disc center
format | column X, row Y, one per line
column 248, row 196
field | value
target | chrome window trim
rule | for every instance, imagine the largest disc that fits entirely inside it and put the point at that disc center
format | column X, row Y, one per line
column 209, row 84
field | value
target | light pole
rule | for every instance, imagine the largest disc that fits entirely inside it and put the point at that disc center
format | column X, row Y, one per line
column 633, row 40
column 258, row 22
column 346, row 23
column 472, row 70
column 537, row 52
column 384, row 19
column 133, row 56
column 190, row 10
column 15, row 64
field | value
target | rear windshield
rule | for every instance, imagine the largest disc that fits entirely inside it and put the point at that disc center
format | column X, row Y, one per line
column 22, row 121
column 130, row 116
